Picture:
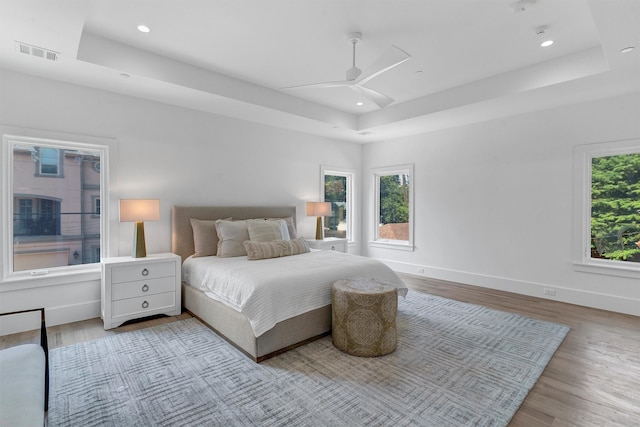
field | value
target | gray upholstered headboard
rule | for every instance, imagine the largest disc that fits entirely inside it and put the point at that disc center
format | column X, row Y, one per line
column 182, row 233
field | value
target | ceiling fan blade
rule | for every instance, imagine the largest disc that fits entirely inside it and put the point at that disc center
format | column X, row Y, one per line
column 389, row 59
column 321, row 85
column 380, row 99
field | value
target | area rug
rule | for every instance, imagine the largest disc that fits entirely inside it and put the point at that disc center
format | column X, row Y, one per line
column 456, row 364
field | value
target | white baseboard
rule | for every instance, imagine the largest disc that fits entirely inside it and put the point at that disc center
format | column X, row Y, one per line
column 569, row 295
column 54, row 316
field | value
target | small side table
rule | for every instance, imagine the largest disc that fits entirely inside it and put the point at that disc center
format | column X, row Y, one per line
column 138, row 287
column 329, row 244
column 363, row 317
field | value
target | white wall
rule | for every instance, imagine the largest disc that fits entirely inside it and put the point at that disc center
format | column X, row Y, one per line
column 493, row 201
column 170, row 153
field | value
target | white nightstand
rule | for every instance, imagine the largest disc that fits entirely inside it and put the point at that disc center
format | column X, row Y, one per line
column 329, row 244
column 140, row 287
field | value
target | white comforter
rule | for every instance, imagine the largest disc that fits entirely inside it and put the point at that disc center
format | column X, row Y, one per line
column 272, row 290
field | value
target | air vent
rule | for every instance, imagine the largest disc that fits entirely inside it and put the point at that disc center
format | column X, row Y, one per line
column 40, row 52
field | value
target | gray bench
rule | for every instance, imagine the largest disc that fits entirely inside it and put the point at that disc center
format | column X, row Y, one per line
column 24, row 380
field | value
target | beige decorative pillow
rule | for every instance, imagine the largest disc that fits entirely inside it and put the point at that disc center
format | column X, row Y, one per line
column 231, row 234
column 205, row 237
column 276, row 248
column 267, row 230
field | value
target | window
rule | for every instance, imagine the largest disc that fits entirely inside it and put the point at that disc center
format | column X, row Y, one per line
column 49, row 160
column 337, row 188
column 56, row 221
column 96, row 206
column 393, row 207
column 36, row 216
column 608, row 226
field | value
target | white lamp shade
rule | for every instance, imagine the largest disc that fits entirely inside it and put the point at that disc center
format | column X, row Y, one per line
column 134, row 210
column 318, row 208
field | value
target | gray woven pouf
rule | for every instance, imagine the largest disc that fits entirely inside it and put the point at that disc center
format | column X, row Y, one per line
column 363, row 318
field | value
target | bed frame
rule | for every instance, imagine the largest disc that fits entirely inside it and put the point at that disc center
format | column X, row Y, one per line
column 228, row 323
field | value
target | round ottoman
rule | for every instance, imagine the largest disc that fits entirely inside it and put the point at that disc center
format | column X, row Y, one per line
column 363, row 317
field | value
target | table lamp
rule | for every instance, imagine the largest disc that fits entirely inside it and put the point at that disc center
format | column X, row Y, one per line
column 138, row 211
column 319, row 209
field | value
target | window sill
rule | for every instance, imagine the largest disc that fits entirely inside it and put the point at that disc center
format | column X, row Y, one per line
column 608, row 269
column 88, row 273
column 402, row 245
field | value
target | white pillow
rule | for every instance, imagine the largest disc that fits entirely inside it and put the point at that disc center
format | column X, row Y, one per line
column 291, row 228
column 231, row 235
column 261, row 230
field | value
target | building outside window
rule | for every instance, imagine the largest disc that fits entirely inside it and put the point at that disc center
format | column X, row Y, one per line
column 338, row 189
column 393, row 207
column 56, row 218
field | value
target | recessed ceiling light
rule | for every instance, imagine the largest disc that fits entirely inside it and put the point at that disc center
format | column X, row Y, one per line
column 542, row 31
column 143, row 28
column 627, row 49
column 124, row 75
column 359, row 103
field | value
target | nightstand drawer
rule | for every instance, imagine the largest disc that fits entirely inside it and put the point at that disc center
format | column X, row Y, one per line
column 143, row 304
column 329, row 244
column 130, row 273
column 142, row 287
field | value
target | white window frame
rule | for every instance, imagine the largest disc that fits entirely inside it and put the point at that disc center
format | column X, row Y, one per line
column 10, row 280
column 350, row 174
column 375, row 240
column 582, row 261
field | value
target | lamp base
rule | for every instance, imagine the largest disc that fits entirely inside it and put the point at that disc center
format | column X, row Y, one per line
column 319, row 230
column 139, row 247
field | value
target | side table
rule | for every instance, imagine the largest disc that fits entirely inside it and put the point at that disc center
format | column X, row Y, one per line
column 140, row 287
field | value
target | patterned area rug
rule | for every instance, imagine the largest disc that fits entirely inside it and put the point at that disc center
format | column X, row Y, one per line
column 456, row 365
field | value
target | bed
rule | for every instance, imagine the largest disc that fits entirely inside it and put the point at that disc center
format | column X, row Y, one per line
column 302, row 282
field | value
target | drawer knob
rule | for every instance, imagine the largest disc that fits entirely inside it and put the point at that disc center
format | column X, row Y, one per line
column 145, row 304
column 145, row 272
column 333, row 248
column 145, row 288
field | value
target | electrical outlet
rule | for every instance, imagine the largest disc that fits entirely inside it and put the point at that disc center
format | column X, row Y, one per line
column 420, row 270
column 550, row 292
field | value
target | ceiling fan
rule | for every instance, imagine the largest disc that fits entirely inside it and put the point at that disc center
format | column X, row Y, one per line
column 356, row 78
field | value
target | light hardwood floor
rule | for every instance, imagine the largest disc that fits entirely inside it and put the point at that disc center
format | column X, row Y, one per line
column 592, row 380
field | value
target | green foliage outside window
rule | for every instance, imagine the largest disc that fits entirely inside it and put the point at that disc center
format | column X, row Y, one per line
column 335, row 191
column 335, row 188
column 615, row 207
column 394, row 199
